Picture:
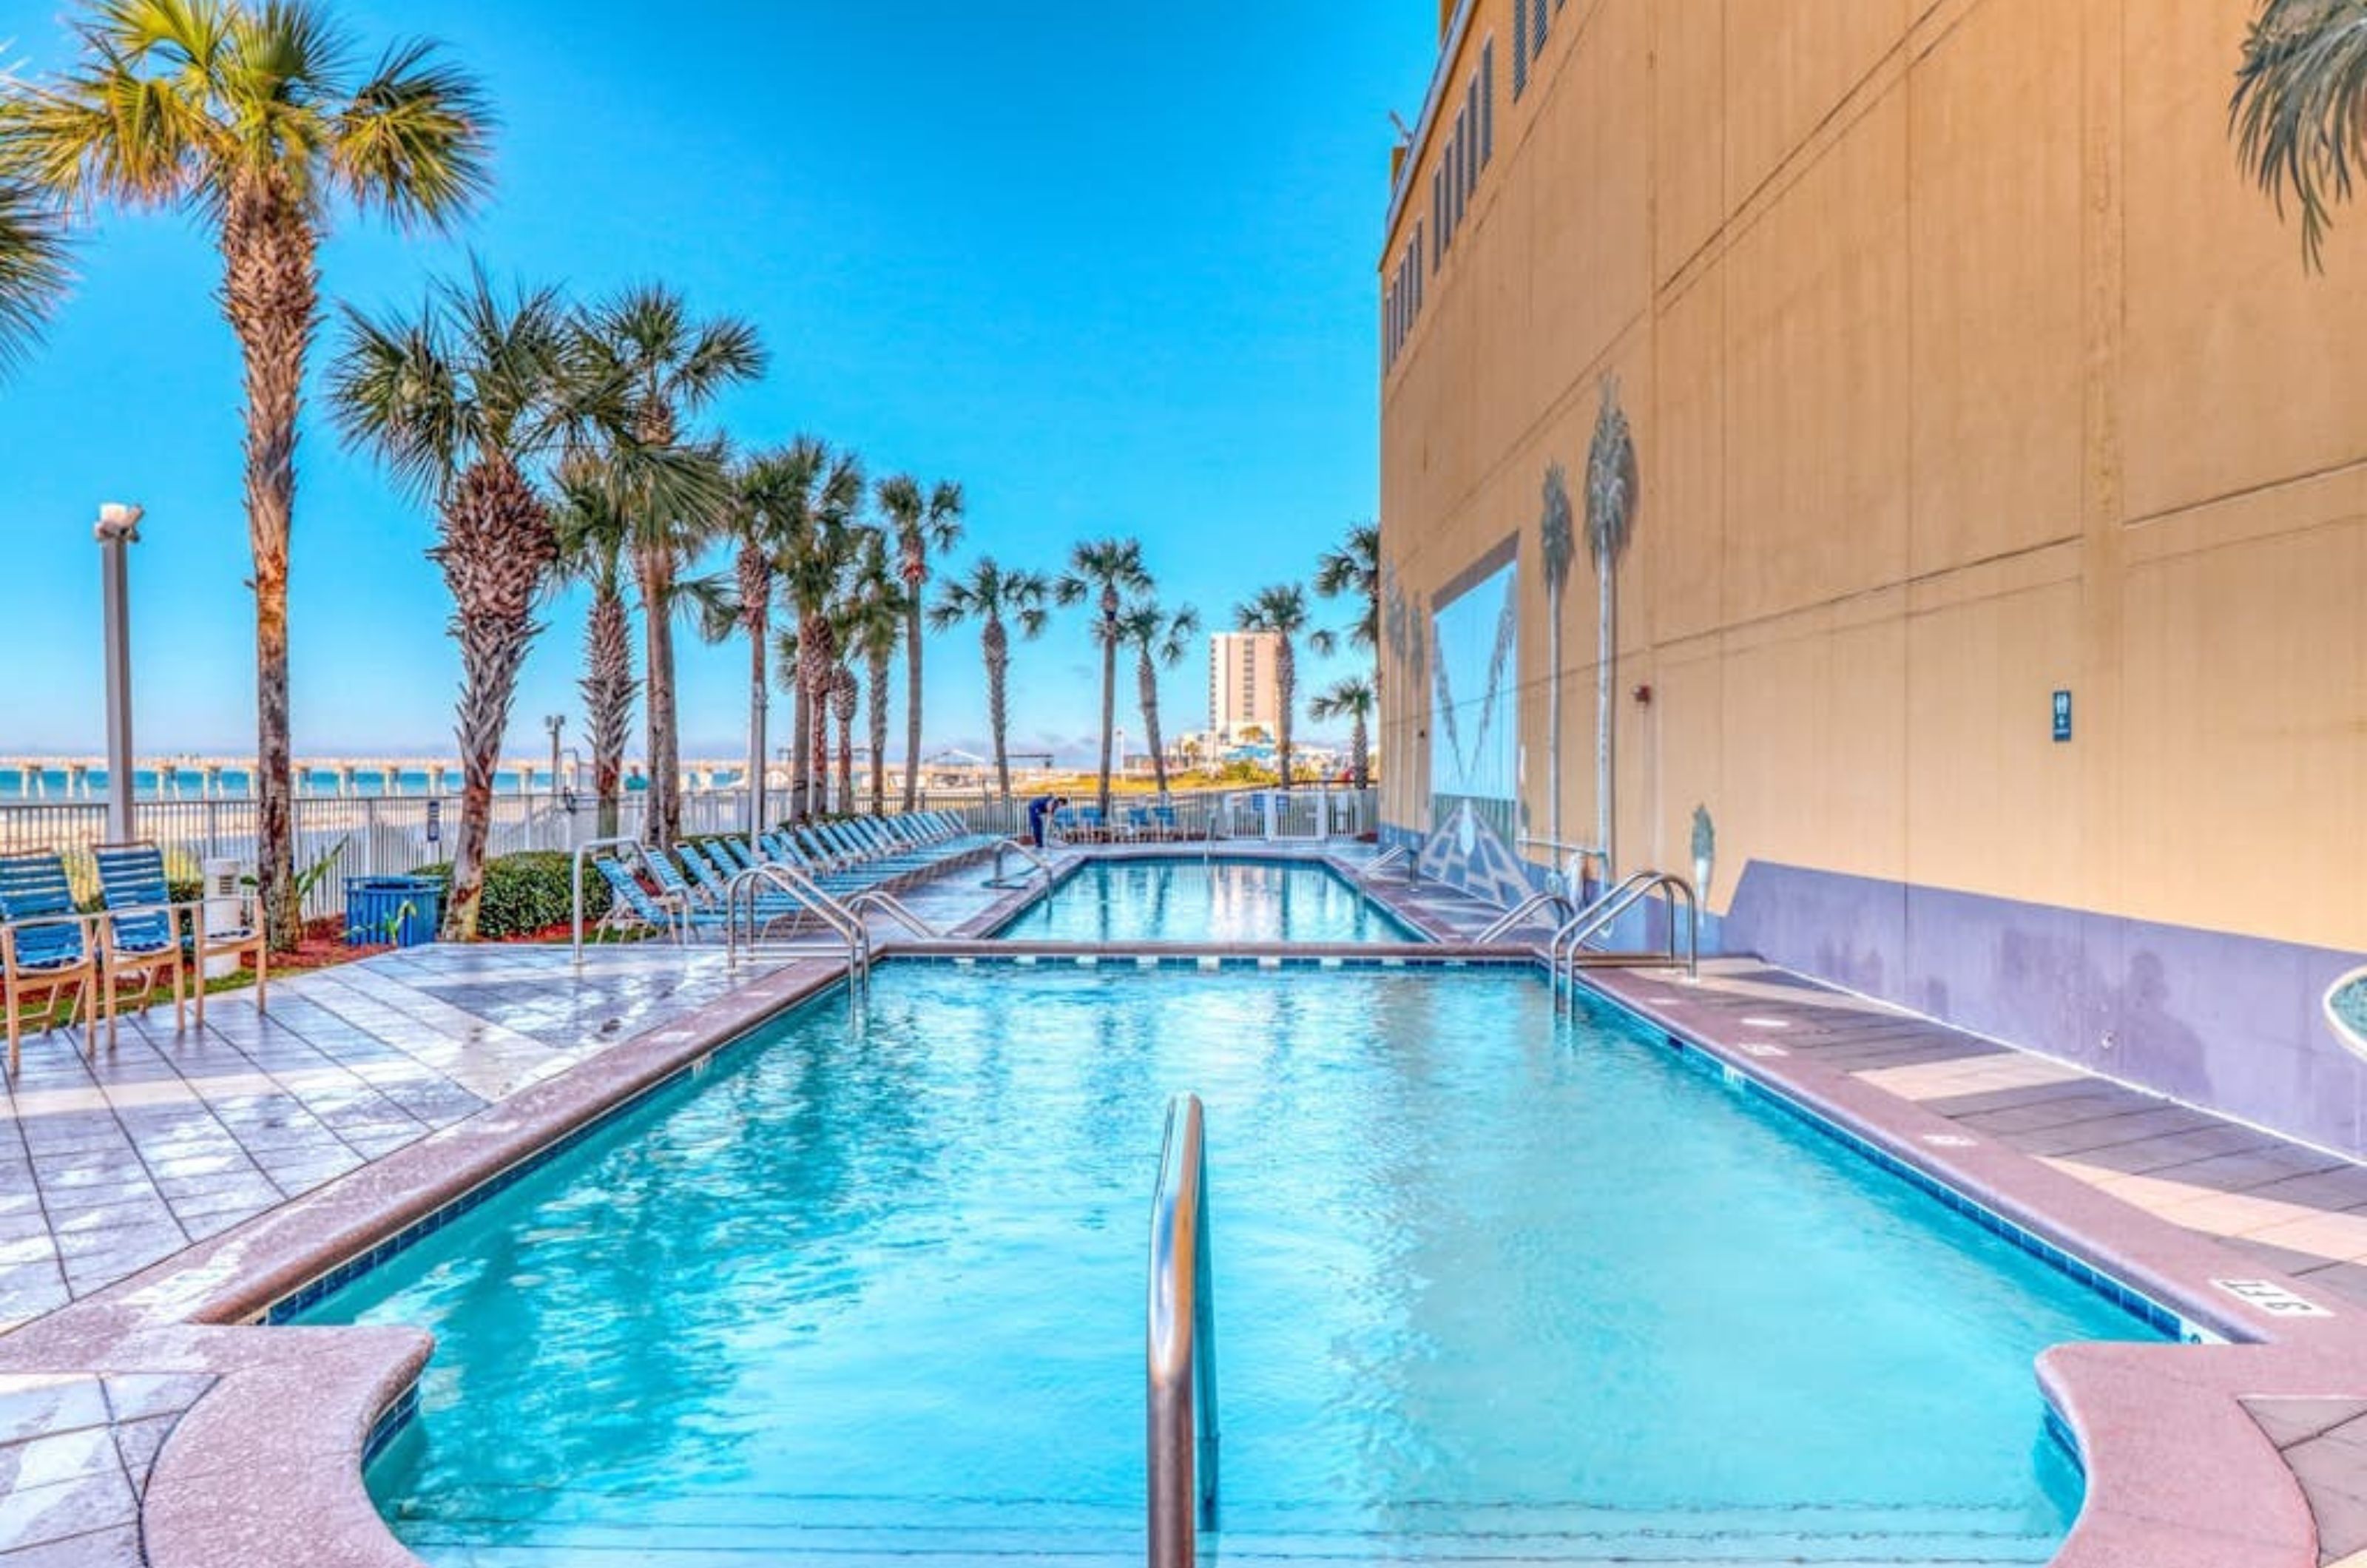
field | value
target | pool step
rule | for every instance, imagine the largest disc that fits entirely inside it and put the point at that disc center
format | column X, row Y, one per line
column 514, row 1528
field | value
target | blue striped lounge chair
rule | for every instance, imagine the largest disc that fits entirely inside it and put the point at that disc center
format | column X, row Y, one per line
column 132, row 880
column 140, row 934
column 45, row 945
column 634, row 904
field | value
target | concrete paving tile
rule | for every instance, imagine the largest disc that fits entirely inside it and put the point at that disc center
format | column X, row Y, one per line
column 33, row 1404
column 117, row 1546
column 31, row 1516
column 57, row 1457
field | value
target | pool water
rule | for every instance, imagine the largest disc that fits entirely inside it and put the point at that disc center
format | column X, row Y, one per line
column 1481, row 1276
column 1188, row 898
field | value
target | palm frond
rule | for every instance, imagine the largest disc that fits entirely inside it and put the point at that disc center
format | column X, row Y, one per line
column 413, row 141
column 32, row 266
column 2299, row 112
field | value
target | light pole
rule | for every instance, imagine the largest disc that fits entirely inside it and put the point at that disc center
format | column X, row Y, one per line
column 555, row 723
column 117, row 529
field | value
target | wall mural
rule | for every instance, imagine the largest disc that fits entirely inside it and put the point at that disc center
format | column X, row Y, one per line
column 1474, row 739
column 2346, row 1007
column 1557, row 546
column 1611, row 493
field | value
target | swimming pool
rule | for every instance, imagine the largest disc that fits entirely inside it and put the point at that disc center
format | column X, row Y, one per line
column 1191, row 898
column 1486, row 1283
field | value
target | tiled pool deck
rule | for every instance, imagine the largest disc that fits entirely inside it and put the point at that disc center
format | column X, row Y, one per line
column 146, row 1211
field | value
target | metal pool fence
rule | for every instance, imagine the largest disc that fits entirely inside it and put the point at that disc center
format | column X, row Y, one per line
column 387, row 835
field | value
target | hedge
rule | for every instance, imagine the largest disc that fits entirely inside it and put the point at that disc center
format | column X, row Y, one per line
column 528, row 892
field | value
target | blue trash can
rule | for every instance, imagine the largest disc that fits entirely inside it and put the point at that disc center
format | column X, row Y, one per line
column 403, row 909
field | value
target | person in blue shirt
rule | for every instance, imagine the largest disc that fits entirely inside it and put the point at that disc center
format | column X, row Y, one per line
column 1039, row 815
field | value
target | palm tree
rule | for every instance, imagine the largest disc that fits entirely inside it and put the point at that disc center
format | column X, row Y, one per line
column 1160, row 640
column 817, row 501
column 462, row 401
column 924, row 525
column 769, row 493
column 2300, row 109
column 1281, row 611
column 1610, row 523
column 991, row 595
column 877, row 622
column 673, row 367
column 1105, row 570
column 593, row 530
column 252, row 117
column 32, row 264
column 1350, row 697
column 843, row 695
column 1355, row 570
column 1557, row 544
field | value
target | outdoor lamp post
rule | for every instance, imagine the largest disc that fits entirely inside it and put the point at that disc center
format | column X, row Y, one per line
column 117, row 529
column 555, row 723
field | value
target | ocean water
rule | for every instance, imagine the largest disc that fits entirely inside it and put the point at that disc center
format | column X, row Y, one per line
column 1489, row 1284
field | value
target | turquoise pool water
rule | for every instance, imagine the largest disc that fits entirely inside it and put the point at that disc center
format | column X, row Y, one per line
column 1483, row 1277
column 1187, row 898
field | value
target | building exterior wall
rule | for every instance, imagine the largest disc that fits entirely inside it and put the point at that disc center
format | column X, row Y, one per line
column 1242, row 691
column 1963, row 366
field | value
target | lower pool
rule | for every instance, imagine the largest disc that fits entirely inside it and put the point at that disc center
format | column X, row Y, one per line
column 1191, row 898
column 1489, row 1284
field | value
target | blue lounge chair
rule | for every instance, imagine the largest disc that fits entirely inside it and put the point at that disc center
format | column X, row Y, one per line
column 45, row 945
column 142, row 934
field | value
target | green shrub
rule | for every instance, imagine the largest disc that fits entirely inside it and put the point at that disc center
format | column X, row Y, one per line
column 528, row 892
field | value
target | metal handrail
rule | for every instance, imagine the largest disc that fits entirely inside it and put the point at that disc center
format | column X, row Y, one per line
column 895, row 908
column 1181, row 1367
column 583, row 852
column 1565, row 956
column 1512, row 918
column 1573, row 875
column 844, row 922
column 1397, row 854
column 1025, row 851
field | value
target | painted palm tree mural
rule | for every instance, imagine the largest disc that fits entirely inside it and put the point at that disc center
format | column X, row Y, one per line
column 1609, row 522
column 1558, row 545
column 2298, row 114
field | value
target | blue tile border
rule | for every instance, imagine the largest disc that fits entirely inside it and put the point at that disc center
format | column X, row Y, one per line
column 1407, row 931
column 390, row 1423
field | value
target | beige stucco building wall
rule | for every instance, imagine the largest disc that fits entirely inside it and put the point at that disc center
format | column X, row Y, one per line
column 1963, row 364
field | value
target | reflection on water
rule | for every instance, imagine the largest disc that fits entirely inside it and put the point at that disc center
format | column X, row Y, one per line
column 1191, row 900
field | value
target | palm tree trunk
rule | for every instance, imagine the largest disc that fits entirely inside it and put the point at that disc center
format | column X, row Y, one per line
column 1359, row 752
column 876, row 721
column 1285, row 686
column 1145, row 679
column 271, row 298
column 1606, row 651
column 1553, row 713
column 491, row 652
column 760, row 692
column 842, row 698
column 813, row 682
column 801, row 744
column 663, row 825
column 1109, row 694
column 912, row 707
column 607, row 688
column 994, row 643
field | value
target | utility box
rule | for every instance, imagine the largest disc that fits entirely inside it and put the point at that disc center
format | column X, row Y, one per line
column 404, row 910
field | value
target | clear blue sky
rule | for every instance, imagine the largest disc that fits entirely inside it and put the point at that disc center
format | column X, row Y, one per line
column 1110, row 267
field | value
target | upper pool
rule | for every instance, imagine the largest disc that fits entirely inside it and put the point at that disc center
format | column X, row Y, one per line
column 1489, row 1284
column 1193, row 898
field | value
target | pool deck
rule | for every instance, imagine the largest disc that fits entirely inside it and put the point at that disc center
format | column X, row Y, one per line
column 160, row 1199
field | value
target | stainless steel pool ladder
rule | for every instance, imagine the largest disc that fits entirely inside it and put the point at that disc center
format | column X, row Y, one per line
column 1566, row 953
column 742, row 890
column 1396, row 855
column 895, row 908
column 1026, row 852
column 1514, row 919
column 1181, row 1383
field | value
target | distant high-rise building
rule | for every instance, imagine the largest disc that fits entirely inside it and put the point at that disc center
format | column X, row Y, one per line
column 1243, row 692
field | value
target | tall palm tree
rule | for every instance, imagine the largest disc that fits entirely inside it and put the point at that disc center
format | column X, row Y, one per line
column 877, row 622
column 2300, row 109
column 769, row 493
column 1160, row 640
column 1106, row 571
column 253, row 117
column 818, row 502
column 842, row 696
column 673, row 366
column 463, row 401
column 1280, row 610
column 1350, row 697
column 32, row 264
column 1611, row 486
column 991, row 595
column 1556, row 545
column 1353, row 571
column 925, row 525
column 593, row 530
